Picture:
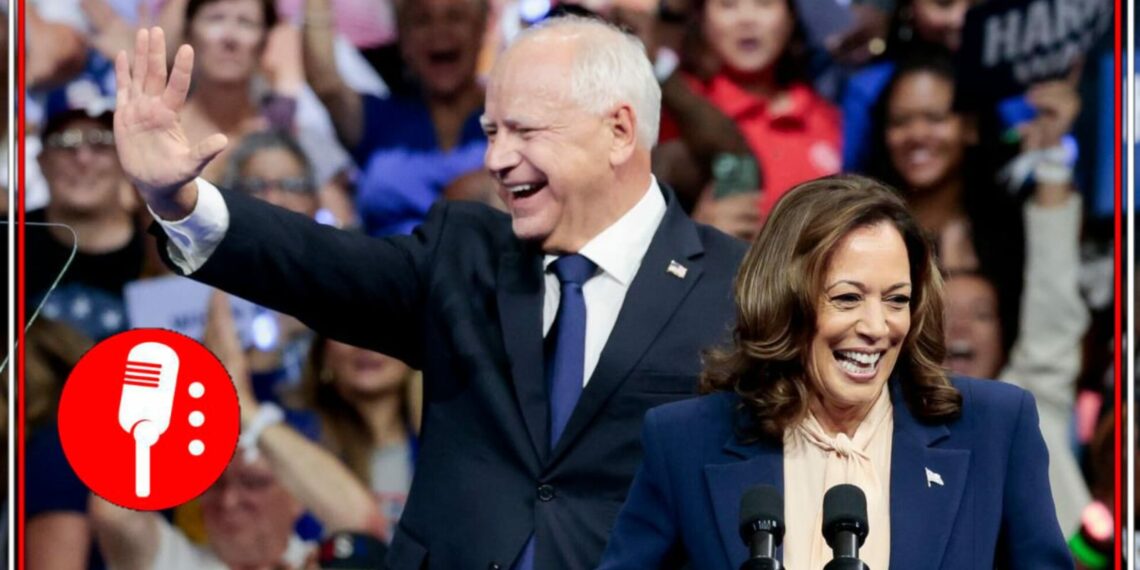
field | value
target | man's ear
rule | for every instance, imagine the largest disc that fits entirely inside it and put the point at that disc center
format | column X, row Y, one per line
column 622, row 124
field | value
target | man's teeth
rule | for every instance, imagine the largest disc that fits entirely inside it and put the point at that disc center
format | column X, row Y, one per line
column 520, row 188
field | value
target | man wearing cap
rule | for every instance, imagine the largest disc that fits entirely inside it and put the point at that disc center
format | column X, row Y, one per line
column 88, row 209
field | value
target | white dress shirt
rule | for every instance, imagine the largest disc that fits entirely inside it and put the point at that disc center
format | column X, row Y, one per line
column 617, row 251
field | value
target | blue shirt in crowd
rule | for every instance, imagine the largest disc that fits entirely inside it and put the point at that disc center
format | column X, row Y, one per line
column 403, row 169
column 860, row 95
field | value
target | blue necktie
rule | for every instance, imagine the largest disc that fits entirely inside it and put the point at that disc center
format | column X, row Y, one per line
column 565, row 367
column 565, row 364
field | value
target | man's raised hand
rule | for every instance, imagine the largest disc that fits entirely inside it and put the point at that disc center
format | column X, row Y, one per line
column 153, row 149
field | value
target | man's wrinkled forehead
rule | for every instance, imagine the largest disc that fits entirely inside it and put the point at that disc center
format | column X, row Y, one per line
column 530, row 75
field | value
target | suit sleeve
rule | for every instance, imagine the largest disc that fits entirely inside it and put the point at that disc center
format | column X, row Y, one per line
column 350, row 287
column 645, row 535
column 1032, row 538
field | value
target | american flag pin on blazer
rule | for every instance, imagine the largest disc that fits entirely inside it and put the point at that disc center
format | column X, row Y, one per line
column 676, row 269
column 933, row 478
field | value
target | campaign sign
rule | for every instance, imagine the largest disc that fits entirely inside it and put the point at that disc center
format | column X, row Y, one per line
column 178, row 304
column 1008, row 45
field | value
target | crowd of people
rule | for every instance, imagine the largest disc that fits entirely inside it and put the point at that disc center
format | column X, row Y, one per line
column 366, row 115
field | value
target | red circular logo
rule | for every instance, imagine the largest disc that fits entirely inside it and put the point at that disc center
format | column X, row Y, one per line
column 149, row 419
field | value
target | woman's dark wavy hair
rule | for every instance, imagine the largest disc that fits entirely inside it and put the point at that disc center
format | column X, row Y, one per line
column 793, row 64
column 779, row 286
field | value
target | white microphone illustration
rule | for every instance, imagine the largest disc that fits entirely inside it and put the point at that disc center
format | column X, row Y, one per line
column 149, row 381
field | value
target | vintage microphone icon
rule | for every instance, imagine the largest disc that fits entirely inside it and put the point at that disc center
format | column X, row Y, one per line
column 149, row 380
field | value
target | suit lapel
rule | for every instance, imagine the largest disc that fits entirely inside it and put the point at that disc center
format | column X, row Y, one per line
column 922, row 510
column 520, row 314
column 762, row 463
column 653, row 297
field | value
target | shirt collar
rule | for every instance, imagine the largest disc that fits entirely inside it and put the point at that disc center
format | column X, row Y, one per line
column 618, row 250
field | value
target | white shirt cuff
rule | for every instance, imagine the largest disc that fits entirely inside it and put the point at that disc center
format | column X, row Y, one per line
column 194, row 238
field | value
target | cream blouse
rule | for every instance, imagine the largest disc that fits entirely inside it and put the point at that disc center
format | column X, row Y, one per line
column 814, row 462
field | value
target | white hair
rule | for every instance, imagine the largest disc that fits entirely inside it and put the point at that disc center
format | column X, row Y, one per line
column 610, row 67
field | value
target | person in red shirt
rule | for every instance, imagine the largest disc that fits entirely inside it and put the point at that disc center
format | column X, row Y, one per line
column 757, row 46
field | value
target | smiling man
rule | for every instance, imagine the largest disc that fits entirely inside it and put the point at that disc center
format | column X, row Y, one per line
column 248, row 517
column 544, row 336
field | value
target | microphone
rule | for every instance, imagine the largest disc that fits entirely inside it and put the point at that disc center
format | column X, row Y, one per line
column 149, row 379
column 762, row 526
column 845, row 526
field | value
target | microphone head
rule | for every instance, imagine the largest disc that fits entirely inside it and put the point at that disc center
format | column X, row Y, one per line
column 150, row 375
column 845, row 508
column 762, row 508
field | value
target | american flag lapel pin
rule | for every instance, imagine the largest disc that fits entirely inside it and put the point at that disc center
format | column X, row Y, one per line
column 676, row 269
column 933, row 478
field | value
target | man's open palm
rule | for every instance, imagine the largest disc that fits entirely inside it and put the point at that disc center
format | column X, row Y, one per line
column 152, row 146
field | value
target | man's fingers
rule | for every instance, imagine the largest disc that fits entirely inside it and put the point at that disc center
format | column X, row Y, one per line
column 179, row 85
column 210, row 147
column 122, row 81
column 142, row 42
column 156, row 63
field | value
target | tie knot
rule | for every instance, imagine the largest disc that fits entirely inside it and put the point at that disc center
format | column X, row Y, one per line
column 573, row 269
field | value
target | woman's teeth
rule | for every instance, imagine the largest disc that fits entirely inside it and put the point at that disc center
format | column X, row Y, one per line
column 858, row 362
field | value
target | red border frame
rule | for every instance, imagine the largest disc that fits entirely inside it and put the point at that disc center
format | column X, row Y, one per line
column 18, row 431
column 1118, row 540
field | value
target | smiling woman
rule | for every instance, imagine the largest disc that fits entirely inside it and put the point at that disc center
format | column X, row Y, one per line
column 834, row 377
column 860, row 288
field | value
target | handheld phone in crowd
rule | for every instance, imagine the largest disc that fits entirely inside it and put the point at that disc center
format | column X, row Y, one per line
column 735, row 174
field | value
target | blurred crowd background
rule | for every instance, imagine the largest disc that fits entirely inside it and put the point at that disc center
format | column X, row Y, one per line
column 363, row 113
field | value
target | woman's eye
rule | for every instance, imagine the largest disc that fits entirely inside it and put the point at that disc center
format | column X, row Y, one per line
column 845, row 299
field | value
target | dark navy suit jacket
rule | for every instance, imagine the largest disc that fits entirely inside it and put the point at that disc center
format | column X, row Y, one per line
column 461, row 299
column 993, row 510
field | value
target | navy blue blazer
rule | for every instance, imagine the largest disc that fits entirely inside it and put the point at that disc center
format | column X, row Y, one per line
column 461, row 299
column 994, row 508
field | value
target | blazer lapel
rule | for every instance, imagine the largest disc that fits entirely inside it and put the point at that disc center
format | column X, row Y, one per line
column 763, row 463
column 652, row 299
column 927, row 484
column 520, row 314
